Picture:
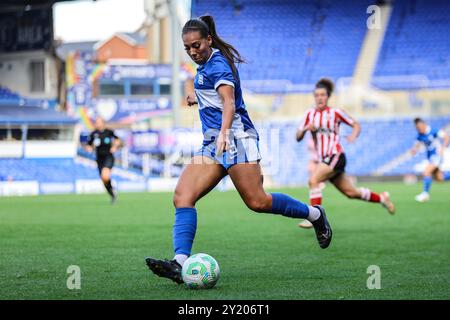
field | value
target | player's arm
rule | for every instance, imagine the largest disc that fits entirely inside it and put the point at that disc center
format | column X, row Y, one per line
column 226, row 93
column 191, row 100
column 88, row 146
column 415, row 148
column 356, row 130
column 116, row 144
column 446, row 140
column 306, row 125
column 350, row 121
column 300, row 134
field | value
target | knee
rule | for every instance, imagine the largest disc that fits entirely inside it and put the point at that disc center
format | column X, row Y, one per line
column 183, row 199
column 313, row 182
column 258, row 204
column 428, row 172
column 353, row 194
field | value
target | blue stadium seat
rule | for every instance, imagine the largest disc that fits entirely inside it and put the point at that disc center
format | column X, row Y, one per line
column 416, row 44
column 301, row 42
column 48, row 170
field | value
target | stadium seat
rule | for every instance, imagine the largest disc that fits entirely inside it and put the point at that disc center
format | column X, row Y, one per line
column 415, row 46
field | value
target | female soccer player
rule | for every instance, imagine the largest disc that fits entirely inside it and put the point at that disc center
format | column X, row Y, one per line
column 105, row 143
column 323, row 122
column 431, row 138
column 230, row 147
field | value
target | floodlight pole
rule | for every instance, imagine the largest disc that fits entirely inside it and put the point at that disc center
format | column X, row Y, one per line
column 175, row 36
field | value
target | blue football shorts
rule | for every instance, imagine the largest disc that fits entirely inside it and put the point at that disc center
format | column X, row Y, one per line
column 242, row 150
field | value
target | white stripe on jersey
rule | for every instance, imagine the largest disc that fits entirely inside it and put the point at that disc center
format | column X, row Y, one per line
column 327, row 124
column 208, row 98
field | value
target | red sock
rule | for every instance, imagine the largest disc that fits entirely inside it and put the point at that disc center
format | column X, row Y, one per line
column 315, row 196
column 374, row 197
column 370, row 196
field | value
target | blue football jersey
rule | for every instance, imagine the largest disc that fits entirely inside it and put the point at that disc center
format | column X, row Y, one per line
column 431, row 140
column 215, row 72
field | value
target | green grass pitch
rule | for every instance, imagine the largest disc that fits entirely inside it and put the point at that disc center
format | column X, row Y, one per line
column 261, row 256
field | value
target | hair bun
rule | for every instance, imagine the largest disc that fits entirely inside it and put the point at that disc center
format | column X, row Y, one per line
column 327, row 84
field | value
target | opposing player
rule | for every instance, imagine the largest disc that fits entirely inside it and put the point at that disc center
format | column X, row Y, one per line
column 323, row 122
column 105, row 143
column 230, row 147
column 313, row 162
column 435, row 142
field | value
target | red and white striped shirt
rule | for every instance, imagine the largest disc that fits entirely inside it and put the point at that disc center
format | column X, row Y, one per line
column 326, row 122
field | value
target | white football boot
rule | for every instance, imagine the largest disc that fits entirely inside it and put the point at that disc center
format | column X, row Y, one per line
column 422, row 197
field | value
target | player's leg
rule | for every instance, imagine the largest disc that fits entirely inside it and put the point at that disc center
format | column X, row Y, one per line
column 312, row 166
column 196, row 180
column 427, row 181
column 322, row 173
column 440, row 175
column 106, row 179
column 246, row 178
column 344, row 184
column 105, row 174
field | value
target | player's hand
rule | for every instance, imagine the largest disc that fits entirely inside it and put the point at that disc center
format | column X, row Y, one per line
column 113, row 149
column 190, row 99
column 223, row 142
column 311, row 127
column 89, row 148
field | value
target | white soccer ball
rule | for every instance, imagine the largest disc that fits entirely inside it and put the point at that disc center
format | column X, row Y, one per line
column 200, row 271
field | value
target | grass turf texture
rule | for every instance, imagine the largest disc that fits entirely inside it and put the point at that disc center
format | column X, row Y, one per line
column 261, row 256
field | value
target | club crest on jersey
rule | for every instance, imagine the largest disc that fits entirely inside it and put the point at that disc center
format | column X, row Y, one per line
column 200, row 79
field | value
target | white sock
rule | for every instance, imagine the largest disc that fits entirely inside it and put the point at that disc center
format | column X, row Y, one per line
column 314, row 214
column 180, row 258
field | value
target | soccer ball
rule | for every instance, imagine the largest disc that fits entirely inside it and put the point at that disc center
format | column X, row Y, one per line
column 200, row 271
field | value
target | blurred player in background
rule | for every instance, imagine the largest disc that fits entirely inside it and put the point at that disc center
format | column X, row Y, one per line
column 435, row 142
column 105, row 143
column 313, row 160
column 230, row 147
column 323, row 122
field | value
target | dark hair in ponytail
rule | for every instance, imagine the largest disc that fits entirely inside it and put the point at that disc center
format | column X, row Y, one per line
column 326, row 84
column 206, row 26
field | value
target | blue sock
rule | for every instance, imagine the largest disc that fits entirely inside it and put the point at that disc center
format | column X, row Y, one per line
column 427, row 184
column 288, row 207
column 446, row 176
column 184, row 230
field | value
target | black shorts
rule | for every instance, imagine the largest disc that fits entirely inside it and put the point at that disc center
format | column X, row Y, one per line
column 106, row 161
column 337, row 162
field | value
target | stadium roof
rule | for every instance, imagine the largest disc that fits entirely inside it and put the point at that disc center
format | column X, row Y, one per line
column 17, row 115
column 133, row 38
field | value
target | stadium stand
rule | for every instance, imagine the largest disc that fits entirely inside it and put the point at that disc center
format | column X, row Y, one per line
column 306, row 40
column 416, row 48
column 54, row 170
column 9, row 97
column 6, row 94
